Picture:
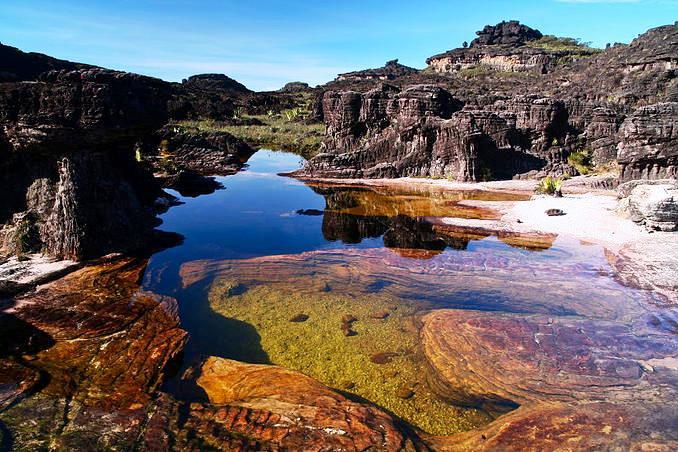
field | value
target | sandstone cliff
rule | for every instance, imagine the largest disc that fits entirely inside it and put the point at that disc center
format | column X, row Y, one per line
column 74, row 187
column 614, row 107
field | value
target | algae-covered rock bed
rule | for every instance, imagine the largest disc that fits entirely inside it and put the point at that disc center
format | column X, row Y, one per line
column 376, row 359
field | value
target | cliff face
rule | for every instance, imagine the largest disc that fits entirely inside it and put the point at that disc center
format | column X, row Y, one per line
column 425, row 131
column 508, row 47
column 615, row 106
column 74, row 187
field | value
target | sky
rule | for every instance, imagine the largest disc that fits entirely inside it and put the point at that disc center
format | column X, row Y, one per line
column 267, row 43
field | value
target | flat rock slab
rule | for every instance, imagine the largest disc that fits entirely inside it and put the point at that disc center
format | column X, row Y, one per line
column 573, row 378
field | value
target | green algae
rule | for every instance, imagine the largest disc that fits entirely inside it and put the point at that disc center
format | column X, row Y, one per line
column 320, row 347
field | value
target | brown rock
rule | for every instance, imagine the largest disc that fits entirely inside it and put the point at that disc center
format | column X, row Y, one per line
column 383, row 357
column 280, row 408
column 299, row 318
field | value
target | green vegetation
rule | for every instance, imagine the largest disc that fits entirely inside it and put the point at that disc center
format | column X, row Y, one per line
column 550, row 186
column 364, row 345
column 555, row 43
column 581, row 161
column 22, row 238
column 274, row 131
column 487, row 71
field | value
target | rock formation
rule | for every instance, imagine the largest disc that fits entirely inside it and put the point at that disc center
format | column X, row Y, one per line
column 390, row 71
column 424, row 131
column 616, row 105
column 588, row 383
column 67, row 142
column 507, row 47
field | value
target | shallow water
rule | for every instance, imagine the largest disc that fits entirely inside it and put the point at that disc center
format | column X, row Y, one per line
column 330, row 280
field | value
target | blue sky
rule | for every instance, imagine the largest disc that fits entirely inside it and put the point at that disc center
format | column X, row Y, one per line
column 265, row 44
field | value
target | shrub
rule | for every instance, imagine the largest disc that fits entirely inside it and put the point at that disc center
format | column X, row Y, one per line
column 550, row 186
column 581, row 161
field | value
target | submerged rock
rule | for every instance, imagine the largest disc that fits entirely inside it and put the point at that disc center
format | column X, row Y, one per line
column 554, row 212
column 585, row 372
column 383, row 357
column 286, row 409
column 299, row 318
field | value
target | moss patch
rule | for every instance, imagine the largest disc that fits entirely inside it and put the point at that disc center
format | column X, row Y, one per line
column 380, row 362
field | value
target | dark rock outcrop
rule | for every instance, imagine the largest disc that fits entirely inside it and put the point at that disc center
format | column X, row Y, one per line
column 206, row 153
column 423, row 131
column 68, row 158
column 16, row 66
column 295, row 87
column 612, row 106
column 391, row 70
column 219, row 97
column 509, row 32
column 215, row 82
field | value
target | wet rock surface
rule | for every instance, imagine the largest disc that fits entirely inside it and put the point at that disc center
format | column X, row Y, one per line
column 295, row 411
column 583, row 382
column 98, row 346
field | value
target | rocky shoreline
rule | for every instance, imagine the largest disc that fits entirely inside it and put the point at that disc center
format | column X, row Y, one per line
column 85, row 153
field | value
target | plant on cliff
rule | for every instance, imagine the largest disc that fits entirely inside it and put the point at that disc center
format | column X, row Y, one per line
column 581, row 161
column 550, row 186
column 555, row 43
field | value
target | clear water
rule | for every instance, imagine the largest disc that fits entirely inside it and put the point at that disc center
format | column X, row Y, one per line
column 268, row 247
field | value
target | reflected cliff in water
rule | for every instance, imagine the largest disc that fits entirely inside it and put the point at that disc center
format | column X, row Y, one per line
column 408, row 220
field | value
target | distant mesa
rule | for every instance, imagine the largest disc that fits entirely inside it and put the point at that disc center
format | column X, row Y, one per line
column 214, row 82
column 295, row 87
column 391, row 70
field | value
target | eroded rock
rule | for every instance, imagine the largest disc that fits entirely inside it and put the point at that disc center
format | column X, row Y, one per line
column 290, row 410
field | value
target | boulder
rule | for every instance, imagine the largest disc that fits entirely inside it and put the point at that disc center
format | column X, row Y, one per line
column 289, row 410
column 654, row 205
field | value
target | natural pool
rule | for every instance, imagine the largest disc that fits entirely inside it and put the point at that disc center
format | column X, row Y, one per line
column 331, row 281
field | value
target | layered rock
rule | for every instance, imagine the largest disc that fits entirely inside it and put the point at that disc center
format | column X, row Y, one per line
column 503, row 47
column 390, row 71
column 580, row 382
column 290, row 410
column 69, row 160
column 648, row 147
column 98, row 346
column 423, row 131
